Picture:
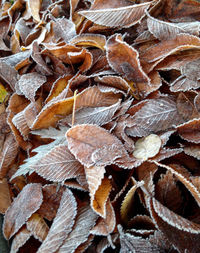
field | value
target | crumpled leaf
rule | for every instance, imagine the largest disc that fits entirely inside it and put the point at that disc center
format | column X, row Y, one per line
column 107, row 225
column 29, row 83
column 64, row 28
column 130, row 242
column 85, row 220
column 114, row 17
column 27, row 202
column 124, row 59
column 93, row 145
column 62, row 224
column 89, row 40
column 147, row 147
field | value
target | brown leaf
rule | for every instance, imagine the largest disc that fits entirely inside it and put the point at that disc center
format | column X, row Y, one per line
column 20, row 239
column 114, row 17
column 166, row 189
column 184, row 84
column 33, row 80
column 38, row 227
column 5, row 198
column 52, row 197
column 104, row 227
column 34, row 7
column 156, row 115
column 85, row 220
column 193, row 150
column 58, row 165
column 183, row 233
column 124, row 59
column 62, row 224
column 190, row 131
column 170, row 46
column 89, row 40
column 27, row 202
column 8, row 154
column 93, row 145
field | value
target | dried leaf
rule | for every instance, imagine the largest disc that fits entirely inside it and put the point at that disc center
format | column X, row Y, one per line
column 8, row 154
column 93, row 145
column 155, row 115
column 38, row 227
column 183, row 233
column 184, row 84
column 85, row 220
column 165, row 30
column 58, row 164
column 147, row 147
column 114, row 17
column 107, row 225
column 89, row 40
column 33, row 80
column 124, row 59
column 52, row 197
column 20, row 239
column 193, row 150
column 26, row 203
column 98, row 116
column 5, row 198
column 62, row 224
column 190, row 131
column 129, row 243
column 3, row 93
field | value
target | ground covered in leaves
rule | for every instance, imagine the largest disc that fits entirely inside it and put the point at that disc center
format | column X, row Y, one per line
column 100, row 126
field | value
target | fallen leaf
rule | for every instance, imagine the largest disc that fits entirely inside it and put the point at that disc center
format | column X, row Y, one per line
column 20, row 239
column 27, row 202
column 62, row 224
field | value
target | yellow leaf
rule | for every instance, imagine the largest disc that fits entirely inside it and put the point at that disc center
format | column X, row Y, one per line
column 3, row 93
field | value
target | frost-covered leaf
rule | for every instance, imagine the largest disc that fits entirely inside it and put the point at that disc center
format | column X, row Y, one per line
column 62, row 224
column 89, row 40
column 193, row 150
column 85, row 220
column 27, row 202
column 165, row 30
column 156, row 115
column 190, row 131
column 58, row 165
column 64, row 28
column 93, row 145
column 89, row 115
column 182, row 83
column 34, row 8
column 114, row 17
column 8, row 154
column 29, row 83
column 107, row 225
column 130, row 242
column 147, row 147
column 51, row 201
column 42, row 150
column 37, row 226
column 51, row 132
column 20, row 239
column 124, row 59
column 184, row 234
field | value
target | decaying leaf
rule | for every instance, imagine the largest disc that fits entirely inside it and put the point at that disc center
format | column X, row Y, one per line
column 5, row 198
column 26, row 203
column 20, row 239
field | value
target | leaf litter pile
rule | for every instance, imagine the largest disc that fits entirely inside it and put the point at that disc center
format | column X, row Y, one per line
column 100, row 126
